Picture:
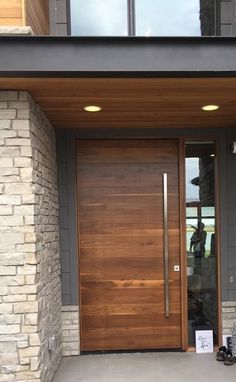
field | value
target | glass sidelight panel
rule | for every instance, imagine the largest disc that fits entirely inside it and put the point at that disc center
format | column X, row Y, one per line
column 201, row 238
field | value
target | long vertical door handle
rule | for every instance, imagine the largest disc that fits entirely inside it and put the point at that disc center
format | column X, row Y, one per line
column 166, row 245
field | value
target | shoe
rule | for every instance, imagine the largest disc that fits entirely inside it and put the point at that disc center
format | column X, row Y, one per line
column 220, row 355
column 229, row 359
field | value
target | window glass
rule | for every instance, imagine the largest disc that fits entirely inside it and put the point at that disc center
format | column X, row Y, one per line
column 175, row 17
column 201, row 239
column 99, row 18
column 191, row 212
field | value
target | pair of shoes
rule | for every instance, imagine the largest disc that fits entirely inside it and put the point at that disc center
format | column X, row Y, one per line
column 220, row 355
column 229, row 358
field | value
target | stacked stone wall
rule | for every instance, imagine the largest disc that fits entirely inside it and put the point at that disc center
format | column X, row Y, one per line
column 70, row 330
column 47, row 239
column 228, row 317
column 30, row 296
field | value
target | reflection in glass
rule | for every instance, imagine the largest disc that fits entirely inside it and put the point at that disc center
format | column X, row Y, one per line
column 99, row 18
column 167, row 18
column 200, row 238
column 153, row 17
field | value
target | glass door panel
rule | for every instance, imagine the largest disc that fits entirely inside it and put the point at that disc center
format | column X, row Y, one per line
column 200, row 238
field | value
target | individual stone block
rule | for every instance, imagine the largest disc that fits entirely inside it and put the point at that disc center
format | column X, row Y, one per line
column 7, row 270
column 9, row 319
column 10, row 258
column 34, row 339
column 29, row 352
column 7, row 347
column 24, row 210
column 8, row 95
column 15, row 298
column 31, row 319
column 26, row 174
column 26, row 307
column 21, row 124
column 6, row 210
column 10, row 199
column 23, row 162
column 8, row 114
column 9, row 152
column 9, row 329
column 18, row 188
column 6, row 308
column 19, row 105
column 23, row 134
column 6, row 162
column 23, row 289
column 5, row 124
column 7, row 133
column 23, row 114
column 10, row 221
column 27, row 270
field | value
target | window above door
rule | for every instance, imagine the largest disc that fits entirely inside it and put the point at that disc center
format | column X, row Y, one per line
column 145, row 18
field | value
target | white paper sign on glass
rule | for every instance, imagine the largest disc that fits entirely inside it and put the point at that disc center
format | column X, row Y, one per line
column 204, row 341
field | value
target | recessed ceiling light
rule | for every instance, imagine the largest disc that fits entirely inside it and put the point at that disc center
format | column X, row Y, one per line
column 212, row 155
column 92, row 108
column 210, row 107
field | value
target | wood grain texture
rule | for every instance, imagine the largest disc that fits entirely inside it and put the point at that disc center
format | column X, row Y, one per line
column 37, row 16
column 11, row 13
column 121, row 244
column 132, row 102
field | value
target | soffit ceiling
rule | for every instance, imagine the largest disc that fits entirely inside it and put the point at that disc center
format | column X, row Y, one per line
column 132, row 102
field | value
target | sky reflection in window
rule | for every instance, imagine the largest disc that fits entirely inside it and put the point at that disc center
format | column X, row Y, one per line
column 99, row 18
column 168, row 18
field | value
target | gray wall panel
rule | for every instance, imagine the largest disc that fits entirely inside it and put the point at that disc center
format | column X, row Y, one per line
column 227, row 170
column 59, row 25
column 232, row 257
column 65, row 262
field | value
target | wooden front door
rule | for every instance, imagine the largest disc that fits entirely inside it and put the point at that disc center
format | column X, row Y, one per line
column 124, row 299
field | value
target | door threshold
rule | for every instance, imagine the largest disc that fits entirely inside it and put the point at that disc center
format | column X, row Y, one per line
column 133, row 351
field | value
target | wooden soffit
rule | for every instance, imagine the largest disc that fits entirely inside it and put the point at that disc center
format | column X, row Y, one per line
column 132, row 102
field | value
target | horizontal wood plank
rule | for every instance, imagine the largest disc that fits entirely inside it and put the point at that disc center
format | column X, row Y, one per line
column 132, row 102
column 120, row 190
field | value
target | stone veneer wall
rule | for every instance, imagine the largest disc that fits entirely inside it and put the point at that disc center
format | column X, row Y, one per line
column 30, row 295
column 70, row 330
column 228, row 317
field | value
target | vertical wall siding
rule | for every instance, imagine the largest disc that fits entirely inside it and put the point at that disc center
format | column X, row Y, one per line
column 230, row 167
column 37, row 16
column 68, row 217
column 59, row 14
column 68, row 214
column 11, row 13
column 228, row 18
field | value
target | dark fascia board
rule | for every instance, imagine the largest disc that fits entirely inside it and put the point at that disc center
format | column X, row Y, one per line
column 68, row 56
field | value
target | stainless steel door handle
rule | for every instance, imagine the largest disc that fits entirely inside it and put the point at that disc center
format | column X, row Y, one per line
column 166, row 246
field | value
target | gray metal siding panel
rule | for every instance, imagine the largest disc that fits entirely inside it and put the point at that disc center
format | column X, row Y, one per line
column 58, row 17
column 64, row 217
column 230, row 222
column 226, row 12
column 73, row 231
column 223, row 213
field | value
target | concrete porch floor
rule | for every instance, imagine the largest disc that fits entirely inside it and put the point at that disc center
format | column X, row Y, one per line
column 145, row 367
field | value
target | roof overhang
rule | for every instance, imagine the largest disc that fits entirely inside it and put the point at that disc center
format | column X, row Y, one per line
column 107, row 56
column 138, row 82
